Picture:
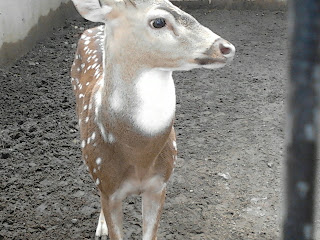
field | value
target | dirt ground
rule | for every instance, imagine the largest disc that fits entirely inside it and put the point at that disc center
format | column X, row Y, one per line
column 230, row 125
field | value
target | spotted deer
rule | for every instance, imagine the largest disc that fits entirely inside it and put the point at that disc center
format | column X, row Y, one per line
column 125, row 99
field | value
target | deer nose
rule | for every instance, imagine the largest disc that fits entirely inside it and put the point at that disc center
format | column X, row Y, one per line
column 226, row 48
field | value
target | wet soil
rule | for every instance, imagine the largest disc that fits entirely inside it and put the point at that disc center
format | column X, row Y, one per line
column 230, row 136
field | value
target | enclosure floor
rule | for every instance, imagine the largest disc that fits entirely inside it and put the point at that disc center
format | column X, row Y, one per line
column 230, row 125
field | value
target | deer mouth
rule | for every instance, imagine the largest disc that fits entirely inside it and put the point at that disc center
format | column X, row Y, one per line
column 209, row 61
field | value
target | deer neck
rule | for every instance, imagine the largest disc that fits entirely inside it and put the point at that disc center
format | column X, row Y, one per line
column 143, row 98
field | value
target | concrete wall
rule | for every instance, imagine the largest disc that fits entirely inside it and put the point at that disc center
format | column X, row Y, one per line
column 233, row 4
column 23, row 22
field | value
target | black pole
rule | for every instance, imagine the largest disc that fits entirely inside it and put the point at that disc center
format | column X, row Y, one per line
column 302, row 123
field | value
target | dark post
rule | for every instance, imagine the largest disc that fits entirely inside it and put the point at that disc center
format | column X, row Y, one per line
column 302, row 119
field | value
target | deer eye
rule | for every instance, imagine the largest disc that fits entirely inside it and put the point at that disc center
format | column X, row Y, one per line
column 158, row 23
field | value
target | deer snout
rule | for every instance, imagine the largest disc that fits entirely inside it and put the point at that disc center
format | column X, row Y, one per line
column 226, row 48
column 217, row 55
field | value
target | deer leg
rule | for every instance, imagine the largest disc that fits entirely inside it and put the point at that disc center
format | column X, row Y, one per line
column 152, row 204
column 102, row 228
column 112, row 211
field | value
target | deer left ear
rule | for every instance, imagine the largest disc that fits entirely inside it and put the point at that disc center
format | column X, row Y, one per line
column 92, row 10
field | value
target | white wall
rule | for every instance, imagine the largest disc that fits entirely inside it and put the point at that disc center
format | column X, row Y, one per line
column 19, row 16
column 234, row 4
column 24, row 22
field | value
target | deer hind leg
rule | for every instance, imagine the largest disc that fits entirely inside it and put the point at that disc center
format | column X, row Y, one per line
column 102, row 228
column 152, row 204
column 112, row 213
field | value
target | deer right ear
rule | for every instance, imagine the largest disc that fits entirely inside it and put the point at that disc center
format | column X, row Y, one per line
column 92, row 10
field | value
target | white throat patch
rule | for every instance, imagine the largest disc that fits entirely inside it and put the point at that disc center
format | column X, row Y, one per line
column 156, row 101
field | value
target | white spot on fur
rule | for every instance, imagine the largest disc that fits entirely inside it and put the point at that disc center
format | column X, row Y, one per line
column 174, row 145
column 81, row 95
column 156, row 93
column 87, row 119
column 93, row 136
column 83, row 143
column 103, row 131
column 97, row 181
column 98, row 161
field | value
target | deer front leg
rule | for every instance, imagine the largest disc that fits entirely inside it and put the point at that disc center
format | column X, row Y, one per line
column 152, row 204
column 112, row 211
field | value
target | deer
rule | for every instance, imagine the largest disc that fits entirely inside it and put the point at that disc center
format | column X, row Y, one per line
column 125, row 99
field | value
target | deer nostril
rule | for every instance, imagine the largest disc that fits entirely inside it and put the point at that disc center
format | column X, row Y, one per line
column 225, row 49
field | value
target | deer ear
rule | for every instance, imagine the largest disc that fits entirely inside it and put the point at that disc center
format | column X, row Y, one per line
column 92, row 10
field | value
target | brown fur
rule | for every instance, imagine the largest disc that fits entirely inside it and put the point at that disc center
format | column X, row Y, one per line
column 132, row 155
column 124, row 153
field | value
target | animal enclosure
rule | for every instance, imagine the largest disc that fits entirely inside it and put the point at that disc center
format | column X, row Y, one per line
column 229, row 123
